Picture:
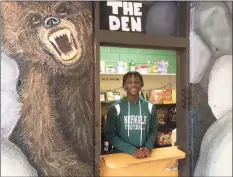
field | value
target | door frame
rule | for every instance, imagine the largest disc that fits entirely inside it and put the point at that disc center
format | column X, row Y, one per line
column 180, row 44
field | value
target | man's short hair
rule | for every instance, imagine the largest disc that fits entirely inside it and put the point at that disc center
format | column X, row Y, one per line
column 135, row 74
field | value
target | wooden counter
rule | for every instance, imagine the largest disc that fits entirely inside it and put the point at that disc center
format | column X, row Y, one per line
column 163, row 162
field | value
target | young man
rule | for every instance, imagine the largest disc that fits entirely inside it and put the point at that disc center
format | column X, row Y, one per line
column 131, row 125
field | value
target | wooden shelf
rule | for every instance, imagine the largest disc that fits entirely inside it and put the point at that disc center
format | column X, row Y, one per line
column 111, row 102
column 162, row 146
column 149, row 74
column 141, row 40
column 167, row 126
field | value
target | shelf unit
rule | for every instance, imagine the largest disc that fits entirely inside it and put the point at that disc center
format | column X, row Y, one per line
column 149, row 74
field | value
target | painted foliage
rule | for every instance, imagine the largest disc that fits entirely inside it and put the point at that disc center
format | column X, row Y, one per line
column 51, row 44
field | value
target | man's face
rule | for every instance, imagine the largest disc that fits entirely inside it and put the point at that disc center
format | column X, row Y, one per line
column 133, row 85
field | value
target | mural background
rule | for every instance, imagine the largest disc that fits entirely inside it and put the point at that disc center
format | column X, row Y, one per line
column 211, row 76
column 53, row 95
column 51, row 45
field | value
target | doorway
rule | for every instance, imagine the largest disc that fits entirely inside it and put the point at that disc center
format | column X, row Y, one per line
column 179, row 44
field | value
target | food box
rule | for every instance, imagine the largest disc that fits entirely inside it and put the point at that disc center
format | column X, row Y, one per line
column 156, row 96
column 167, row 97
column 173, row 95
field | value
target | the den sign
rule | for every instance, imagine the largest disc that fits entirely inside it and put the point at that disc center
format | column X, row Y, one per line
column 125, row 16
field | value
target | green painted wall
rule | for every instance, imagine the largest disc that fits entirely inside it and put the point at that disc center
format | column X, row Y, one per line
column 111, row 55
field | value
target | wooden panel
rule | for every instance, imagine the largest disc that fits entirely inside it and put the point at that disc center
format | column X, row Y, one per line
column 182, row 80
column 122, row 160
column 145, row 40
column 158, row 168
column 163, row 162
column 97, row 133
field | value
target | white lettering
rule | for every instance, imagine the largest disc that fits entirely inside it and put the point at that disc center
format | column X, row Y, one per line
column 114, row 23
column 127, row 8
column 125, row 21
column 136, row 25
column 115, row 6
column 137, row 9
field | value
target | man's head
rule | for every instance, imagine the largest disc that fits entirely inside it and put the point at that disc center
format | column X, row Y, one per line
column 132, row 82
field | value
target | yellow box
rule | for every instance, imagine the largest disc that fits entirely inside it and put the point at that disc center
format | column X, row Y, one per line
column 173, row 95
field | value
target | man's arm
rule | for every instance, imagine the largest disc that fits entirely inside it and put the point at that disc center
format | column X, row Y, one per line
column 110, row 131
column 153, row 129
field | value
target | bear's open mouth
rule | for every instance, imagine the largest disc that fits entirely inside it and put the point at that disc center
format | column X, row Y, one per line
column 63, row 42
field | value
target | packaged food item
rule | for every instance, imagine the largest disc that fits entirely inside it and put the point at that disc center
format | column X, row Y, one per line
column 167, row 96
column 173, row 95
column 162, row 114
column 106, row 146
column 149, row 66
column 110, row 96
column 161, row 119
column 160, row 67
column 110, row 69
column 173, row 137
column 102, row 96
column 160, row 138
column 155, row 67
column 112, row 149
column 117, row 96
column 156, row 96
column 172, row 115
column 164, row 67
column 132, row 66
column 163, row 138
column 121, row 67
column 142, row 69
column 102, row 66
column 166, row 139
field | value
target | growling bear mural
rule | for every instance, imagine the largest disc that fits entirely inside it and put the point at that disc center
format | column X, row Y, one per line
column 52, row 44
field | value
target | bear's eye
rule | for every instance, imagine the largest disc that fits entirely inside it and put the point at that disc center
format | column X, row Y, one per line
column 36, row 19
column 63, row 8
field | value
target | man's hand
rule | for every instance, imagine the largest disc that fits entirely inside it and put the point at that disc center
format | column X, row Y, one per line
column 138, row 154
column 146, row 151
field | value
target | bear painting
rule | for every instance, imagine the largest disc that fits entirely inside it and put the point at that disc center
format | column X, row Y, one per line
column 53, row 41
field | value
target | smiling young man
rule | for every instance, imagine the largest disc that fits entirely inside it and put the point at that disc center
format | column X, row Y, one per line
column 131, row 125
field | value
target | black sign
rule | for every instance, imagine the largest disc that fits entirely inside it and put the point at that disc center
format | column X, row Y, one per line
column 159, row 17
column 121, row 16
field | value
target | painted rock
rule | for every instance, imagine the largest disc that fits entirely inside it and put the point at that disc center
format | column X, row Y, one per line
column 199, row 58
column 9, row 72
column 13, row 161
column 162, row 19
column 229, row 5
column 220, row 86
column 10, row 106
column 215, row 158
column 215, row 25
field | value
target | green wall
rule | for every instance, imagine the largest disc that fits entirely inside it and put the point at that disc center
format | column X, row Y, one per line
column 111, row 55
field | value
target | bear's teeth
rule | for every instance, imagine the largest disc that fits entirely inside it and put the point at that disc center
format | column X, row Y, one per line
column 52, row 39
column 68, row 33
